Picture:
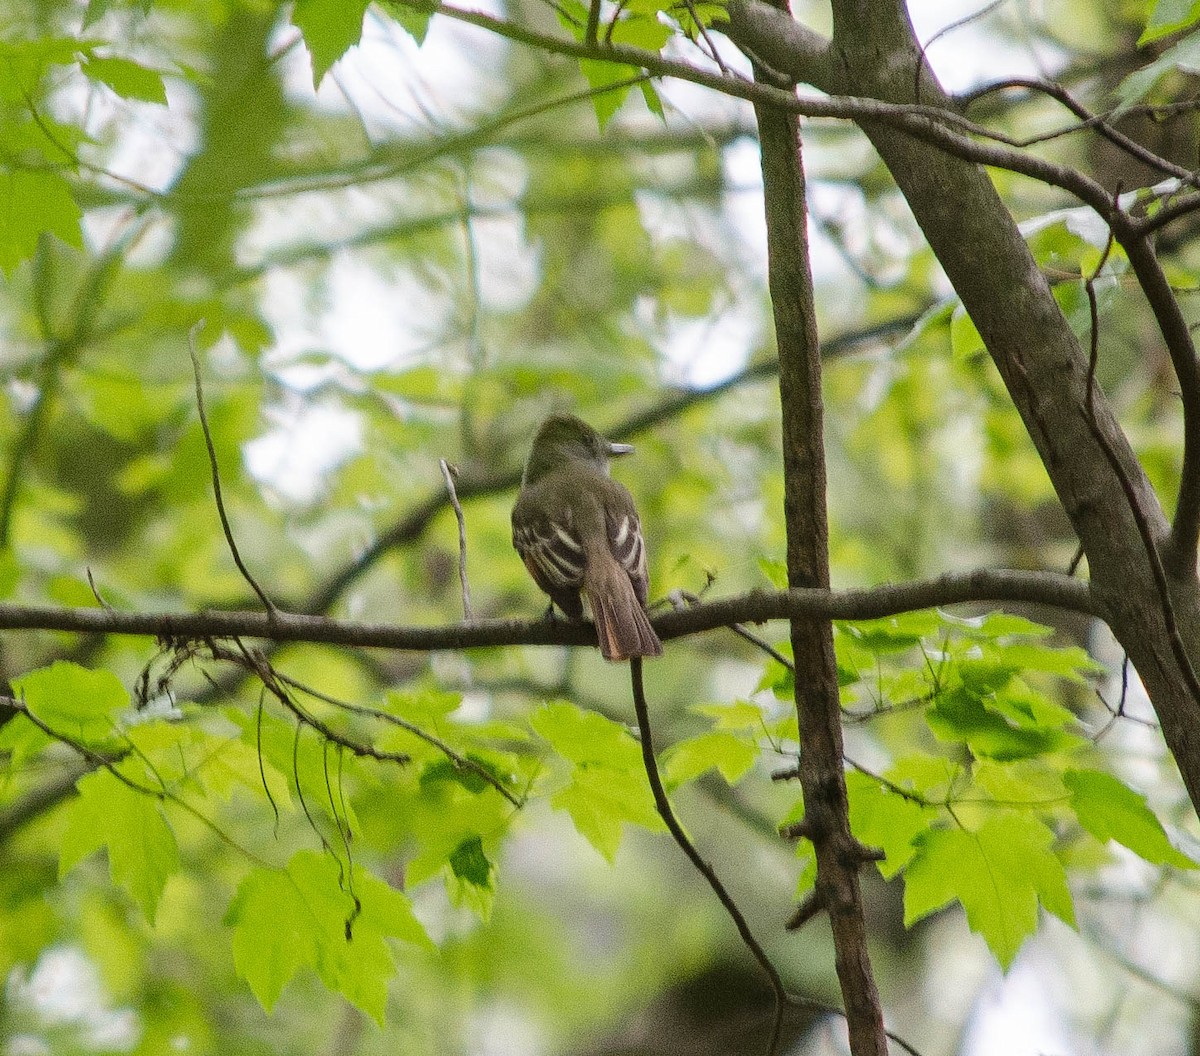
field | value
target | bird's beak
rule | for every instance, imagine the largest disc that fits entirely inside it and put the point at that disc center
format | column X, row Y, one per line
column 619, row 449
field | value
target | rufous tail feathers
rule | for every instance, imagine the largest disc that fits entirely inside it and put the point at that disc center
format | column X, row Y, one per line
column 622, row 626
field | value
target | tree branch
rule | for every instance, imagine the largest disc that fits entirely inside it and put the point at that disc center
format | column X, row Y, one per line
column 987, row 260
column 759, row 606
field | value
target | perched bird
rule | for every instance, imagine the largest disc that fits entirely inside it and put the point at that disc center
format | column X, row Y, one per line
column 576, row 529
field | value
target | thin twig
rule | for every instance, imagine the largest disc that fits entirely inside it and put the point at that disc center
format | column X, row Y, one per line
column 461, row 762
column 96, row 592
column 449, row 472
column 702, row 29
column 743, row 632
column 262, row 670
column 97, row 759
column 216, row 476
column 666, row 812
column 1087, row 119
column 966, row 20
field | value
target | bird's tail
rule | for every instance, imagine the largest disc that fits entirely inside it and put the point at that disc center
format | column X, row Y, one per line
column 622, row 626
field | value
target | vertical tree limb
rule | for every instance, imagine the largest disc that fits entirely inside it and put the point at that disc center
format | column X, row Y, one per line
column 821, row 776
column 1044, row 369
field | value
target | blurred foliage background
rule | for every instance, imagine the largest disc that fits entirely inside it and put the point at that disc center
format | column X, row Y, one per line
column 420, row 260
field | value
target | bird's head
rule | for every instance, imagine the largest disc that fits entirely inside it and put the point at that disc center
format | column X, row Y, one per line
column 563, row 438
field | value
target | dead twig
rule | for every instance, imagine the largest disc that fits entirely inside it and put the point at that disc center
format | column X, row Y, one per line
column 268, row 604
column 449, row 472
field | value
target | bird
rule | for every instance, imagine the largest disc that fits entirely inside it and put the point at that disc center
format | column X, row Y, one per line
column 577, row 530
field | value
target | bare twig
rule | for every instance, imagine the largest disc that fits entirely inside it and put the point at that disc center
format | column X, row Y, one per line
column 663, row 806
column 805, row 911
column 96, row 592
column 1179, row 554
column 97, row 759
column 702, row 29
column 460, row 761
column 742, row 632
column 268, row 604
column 449, row 472
column 1100, row 122
column 262, row 670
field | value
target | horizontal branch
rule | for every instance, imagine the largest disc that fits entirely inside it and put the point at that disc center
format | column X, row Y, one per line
column 759, row 606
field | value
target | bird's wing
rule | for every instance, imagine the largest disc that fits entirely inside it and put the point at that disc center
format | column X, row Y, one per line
column 550, row 549
column 627, row 545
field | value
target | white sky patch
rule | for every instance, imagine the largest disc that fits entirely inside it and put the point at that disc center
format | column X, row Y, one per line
column 1017, row 1014
column 958, row 57
column 706, row 351
column 156, row 141
column 306, row 444
column 508, row 266
column 366, row 319
column 396, row 86
column 64, row 987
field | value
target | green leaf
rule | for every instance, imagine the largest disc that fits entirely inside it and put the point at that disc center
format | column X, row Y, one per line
column 894, row 633
column 653, row 102
column 1111, row 810
column 641, row 32
column 10, row 572
column 33, row 203
column 1184, row 56
column 609, row 785
column 999, row 873
column 128, row 79
column 415, row 23
column 586, row 737
column 775, row 570
column 25, row 62
column 733, row 757
column 881, row 817
column 740, row 715
column 142, row 852
column 96, row 10
column 72, row 701
column 965, row 340
column 305, row 917
column 423, row 707
column 22, row 740
column 603, row 77
column 1170, row 16
column 472, row 878
column 600, row 799
column 330, row 29
column 961, row 716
